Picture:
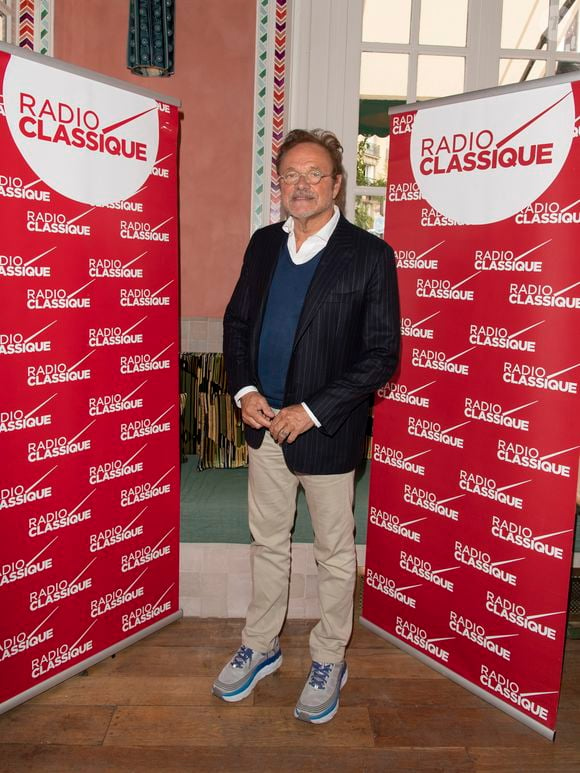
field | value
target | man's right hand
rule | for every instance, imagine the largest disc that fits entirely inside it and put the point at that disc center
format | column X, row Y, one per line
column 255, row 410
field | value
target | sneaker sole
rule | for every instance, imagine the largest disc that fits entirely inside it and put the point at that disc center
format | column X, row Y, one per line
column 239, row 696
column 329, row 713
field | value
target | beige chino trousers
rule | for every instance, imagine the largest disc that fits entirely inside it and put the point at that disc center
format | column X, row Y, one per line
column 272, row 491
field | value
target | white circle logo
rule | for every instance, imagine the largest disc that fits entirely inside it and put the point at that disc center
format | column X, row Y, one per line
column 86, row 140
column 483, row 160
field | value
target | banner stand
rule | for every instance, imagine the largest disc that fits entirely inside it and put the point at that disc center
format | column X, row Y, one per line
column 465, row 683
column 89, row 412
column 83, row 665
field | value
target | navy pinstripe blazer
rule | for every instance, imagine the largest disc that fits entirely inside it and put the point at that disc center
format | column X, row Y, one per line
column 346, row 343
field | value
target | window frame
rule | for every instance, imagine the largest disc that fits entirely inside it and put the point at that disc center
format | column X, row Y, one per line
column 7, row 12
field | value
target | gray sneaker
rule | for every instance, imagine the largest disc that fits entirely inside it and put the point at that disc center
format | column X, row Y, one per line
column 318, row 702
column 239, row 677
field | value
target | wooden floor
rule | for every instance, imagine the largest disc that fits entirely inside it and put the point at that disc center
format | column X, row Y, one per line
column 150, row 709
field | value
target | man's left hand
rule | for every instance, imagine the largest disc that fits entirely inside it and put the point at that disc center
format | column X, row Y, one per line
column 289, row 423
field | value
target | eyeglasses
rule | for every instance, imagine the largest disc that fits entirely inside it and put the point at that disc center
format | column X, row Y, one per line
column 312, row 177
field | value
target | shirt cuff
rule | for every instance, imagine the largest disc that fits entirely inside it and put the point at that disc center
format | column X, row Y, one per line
column 241, row 392
column 312, row 416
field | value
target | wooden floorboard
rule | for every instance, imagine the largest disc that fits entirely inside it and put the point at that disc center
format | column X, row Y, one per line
column 150, row 708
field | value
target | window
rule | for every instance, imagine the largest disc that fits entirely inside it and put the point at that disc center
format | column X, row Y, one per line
column 5, row 21
column 413, row 50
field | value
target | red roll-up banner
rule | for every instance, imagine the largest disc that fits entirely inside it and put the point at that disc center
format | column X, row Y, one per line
column 475, row 448
column 89, row 414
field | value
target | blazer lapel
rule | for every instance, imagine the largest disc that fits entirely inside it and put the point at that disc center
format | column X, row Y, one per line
column 335, row 257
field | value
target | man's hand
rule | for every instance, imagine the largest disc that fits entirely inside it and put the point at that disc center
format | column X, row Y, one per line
column 289, row 423
column 255, row 410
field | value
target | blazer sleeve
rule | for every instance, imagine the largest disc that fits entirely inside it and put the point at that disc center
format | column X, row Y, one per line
column 238, row 326
column 378, row 355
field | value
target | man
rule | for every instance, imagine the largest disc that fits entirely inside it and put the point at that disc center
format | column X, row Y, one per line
column 311, row 330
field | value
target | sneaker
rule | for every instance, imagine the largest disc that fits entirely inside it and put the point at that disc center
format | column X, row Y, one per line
column 319, row 700
column 239, row 677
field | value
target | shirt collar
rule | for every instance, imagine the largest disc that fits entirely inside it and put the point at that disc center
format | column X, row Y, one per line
column 325, row 232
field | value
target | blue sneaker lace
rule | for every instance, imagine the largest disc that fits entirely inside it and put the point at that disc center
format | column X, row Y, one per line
column 319, row 674
column 242, row 656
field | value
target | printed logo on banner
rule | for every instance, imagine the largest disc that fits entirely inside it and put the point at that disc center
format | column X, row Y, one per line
column 117, row 598
column 392, row 523
column 160, row 171
column 144, row 231
column 481, row 561
column 410, row 259
column 60, row 590
column 517, row 614
column 432, row 430
column 145, row 427
column 116, row 534
column 437, row 360
column 442, row 289
column 418, row 636
column 23, row 641
column 494, row 413
column 141, row 363
column 543, row 295
column 61, row 655
column 16, row 420
column 15, row 188
column 500, row 338
column 108, row 136
column 486, row 487
column 145, row 555
column 144, row 491
column 38, row 525
column 515, row 143
column 16, row 266
column 126, row 206
column 402, row 123
column 510, row 690
column 427, row 500
column 400, row 393
column 143, row 296
column 548, row 212
column 21, row 568
column 147, row 612
column 532, row 459
column 113, row 268
column 17, row 495
column 115, row 403
column 415, row 329
column 403, row 192
column 394, row 457
column 388, row 586
column 57, row 298
column 535, row 376
column 477, row 634
column 431, row 218
column 424, row 569
column 57, row 223
column 507, row 260
column 524, row 537
column 53, row 447
column 20, row 343
column 57, row 373
column 115, row 336
column 116, row 468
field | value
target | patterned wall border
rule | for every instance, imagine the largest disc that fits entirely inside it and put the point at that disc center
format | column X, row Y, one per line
column 270, row 91
column 278, row 102
column 34, row 25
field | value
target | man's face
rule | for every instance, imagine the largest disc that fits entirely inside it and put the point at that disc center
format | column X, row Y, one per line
column 303, row 200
